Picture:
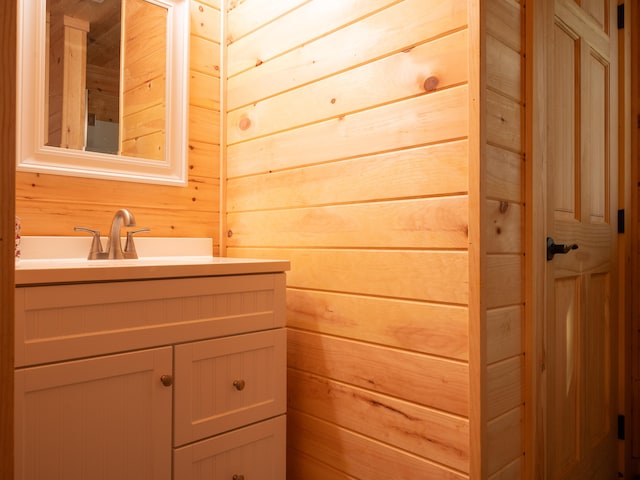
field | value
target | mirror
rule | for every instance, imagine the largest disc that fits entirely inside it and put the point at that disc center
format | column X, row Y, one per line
column 102, row 86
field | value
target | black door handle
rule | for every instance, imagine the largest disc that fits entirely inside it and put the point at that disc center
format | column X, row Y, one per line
column 554, row 248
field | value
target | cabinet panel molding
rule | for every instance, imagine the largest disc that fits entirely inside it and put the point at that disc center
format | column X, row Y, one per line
column 257, row 451
column 106, row 417
column 228, row 381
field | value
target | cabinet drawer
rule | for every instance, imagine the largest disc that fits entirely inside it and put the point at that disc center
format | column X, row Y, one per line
column 62, row 322
column 254, row 452
column 225, row 383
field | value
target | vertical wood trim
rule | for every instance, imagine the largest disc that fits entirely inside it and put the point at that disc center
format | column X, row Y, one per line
column 224, row 51
column 8, row 21
column 632, row 13
column 477, row 303
column 535, row 220
column 625, row 244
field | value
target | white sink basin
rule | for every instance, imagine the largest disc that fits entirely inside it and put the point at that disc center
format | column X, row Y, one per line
column 48, row 248
column 50, row 260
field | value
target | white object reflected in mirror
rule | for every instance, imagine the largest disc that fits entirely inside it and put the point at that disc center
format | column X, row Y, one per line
column 118, row 111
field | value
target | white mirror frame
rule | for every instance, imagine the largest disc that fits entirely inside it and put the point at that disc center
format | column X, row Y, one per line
column 34, row 156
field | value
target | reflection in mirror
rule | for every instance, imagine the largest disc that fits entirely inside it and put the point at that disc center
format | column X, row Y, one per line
column 83, row 75
column 85, row 55
column 110, row 84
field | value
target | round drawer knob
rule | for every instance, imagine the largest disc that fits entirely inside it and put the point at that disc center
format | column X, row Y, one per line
column 239, row 385
column 167, row 380
column 237, row 477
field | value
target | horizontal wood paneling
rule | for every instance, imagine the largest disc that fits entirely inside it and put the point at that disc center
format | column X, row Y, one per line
column 504, row 333
column 504, row 386
column 413, row 428
column 205, row 21
column 53, row 205
column 432, row 170
column 163, row 222
column 504, row 122
column 204, row 91
column 204, row 125
column 424, row 223
column 293, row 29
column 354, row 454
column 435, row 382
column 444, row 60
column 503, row 21
column 503, row 438
column 386, row 273
column 205, row 56
column 301, row 465
column 247, row 16
column 503, row 285
column 504, row 174
column 212, row 3
column 513, row 471
column 204, row 163
column 402, row 26
column 503, row 227
column 342, row 159
column 504, row 72
column 503, row 240
column 421, row 120
column 434, row 329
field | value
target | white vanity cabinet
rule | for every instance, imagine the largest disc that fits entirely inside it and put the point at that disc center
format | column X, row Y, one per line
column 181, row 378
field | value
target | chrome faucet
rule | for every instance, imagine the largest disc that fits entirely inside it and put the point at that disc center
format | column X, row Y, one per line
column 114, row 243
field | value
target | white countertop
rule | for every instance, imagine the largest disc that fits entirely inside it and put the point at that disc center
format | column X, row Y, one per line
column 37, row 268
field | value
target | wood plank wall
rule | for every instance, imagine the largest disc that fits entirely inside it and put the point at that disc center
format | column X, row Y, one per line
column 347, row 131
column 503, row 238
column 348, row 153
column 53, row 205
column 142, row 123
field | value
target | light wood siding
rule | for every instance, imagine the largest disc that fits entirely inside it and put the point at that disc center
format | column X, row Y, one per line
column 369, row 143
column 347, row 131
column 53, row 205
column 352, row 158
column 503, row 239
column 144, row 82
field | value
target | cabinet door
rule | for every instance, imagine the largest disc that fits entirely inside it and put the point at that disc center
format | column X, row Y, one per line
column 226, row 383
column 100, row 418
column 255, row 452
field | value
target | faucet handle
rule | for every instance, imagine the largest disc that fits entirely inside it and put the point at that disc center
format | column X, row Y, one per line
column 95, row 252
column 129, row 246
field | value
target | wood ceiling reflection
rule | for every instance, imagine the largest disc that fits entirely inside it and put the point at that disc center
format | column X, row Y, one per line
column 104, row 35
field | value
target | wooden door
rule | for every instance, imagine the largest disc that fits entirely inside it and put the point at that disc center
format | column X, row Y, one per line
column 581, row 320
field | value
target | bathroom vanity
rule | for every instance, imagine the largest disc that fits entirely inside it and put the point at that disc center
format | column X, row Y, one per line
column 150, row 369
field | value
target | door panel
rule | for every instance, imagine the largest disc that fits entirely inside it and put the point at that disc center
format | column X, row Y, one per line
column 562, row 125
column 580, row 437
column 597, row 9
column 595, row 147
column 597, row 363
column 563, row 387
